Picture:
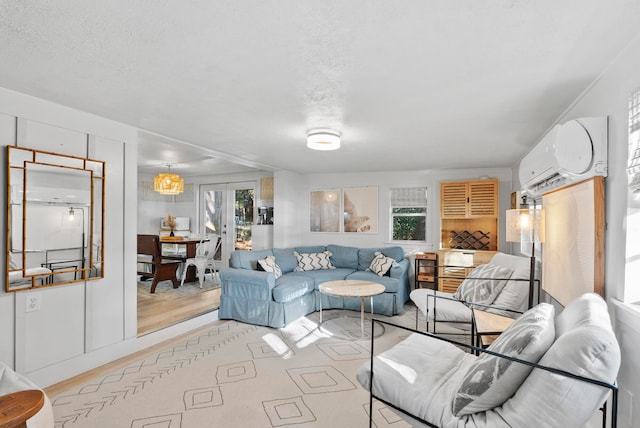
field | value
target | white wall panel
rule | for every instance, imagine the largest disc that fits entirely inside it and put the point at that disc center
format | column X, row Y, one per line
column 130, row 199
column 7, row 315
column 49, row 138
column 58, row 340
column 105, row 297
column 7, row 327
column 7, row 130
column 53, row 333
column 290, row 195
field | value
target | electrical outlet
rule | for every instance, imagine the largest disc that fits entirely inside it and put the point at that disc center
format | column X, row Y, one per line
column 33, row 302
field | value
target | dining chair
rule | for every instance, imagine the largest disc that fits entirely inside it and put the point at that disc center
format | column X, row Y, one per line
column 204, row 259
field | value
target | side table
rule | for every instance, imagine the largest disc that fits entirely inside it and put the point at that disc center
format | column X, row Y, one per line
column 17, row 407
column 426, row 271
column 487, row 327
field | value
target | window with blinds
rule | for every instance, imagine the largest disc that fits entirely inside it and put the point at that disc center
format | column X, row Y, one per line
column 408, row 216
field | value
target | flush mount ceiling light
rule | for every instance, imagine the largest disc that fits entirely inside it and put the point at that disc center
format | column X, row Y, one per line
column 323, row 139
column 168, row 183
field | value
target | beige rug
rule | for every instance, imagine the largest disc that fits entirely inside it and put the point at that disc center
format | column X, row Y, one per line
column 240, row 375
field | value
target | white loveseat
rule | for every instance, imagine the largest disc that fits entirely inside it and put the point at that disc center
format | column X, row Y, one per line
column 443, row 385
column 11, row 382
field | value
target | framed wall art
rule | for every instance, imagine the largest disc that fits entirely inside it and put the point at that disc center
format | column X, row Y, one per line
column 360, row 209
column 324, row 212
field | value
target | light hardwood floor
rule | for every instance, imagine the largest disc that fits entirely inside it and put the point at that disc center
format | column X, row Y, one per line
column 154, row 313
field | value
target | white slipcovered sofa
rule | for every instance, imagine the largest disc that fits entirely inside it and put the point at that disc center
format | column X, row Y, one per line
column 442, row 385
column 11, row 382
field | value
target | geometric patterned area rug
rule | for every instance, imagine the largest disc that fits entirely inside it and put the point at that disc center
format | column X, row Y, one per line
column 241, row 375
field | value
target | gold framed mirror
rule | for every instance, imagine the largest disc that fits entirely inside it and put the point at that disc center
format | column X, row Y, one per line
column 55, row 219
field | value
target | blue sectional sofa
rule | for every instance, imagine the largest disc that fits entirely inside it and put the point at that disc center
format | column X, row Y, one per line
column 257, row 297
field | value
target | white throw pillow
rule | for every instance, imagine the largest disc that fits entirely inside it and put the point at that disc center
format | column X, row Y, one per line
column 491, row 380
column 381, row 264
column 483, row 284
column 269, row 264
column 313, row 261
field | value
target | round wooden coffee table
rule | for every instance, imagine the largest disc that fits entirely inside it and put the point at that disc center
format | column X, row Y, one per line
column 352, row 288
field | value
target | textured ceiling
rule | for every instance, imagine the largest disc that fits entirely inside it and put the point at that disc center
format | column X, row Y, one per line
column 410, row 84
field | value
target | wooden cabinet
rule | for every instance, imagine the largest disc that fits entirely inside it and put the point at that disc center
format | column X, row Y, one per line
column 455, row 266
column 466, row 199
column 469, row 214
column 426, row 270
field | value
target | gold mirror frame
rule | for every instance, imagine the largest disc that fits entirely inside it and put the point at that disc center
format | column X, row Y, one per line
column 53, row 202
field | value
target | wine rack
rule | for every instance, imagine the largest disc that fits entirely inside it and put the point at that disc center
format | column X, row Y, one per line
column 466, row 240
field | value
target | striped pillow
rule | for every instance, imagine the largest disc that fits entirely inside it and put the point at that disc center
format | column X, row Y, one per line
column 268, row 264
column 381, row 264
column 313, row 261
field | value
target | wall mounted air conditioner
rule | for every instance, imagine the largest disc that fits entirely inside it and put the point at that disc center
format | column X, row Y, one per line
column 571, row 152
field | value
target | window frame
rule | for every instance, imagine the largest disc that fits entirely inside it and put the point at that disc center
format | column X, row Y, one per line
column 425, row 214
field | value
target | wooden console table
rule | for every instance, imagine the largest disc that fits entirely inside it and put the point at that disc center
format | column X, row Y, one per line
column 17, row 407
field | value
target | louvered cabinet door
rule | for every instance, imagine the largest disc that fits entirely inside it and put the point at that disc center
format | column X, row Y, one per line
column 469, row 212
column 483, row 198
column 453, row 200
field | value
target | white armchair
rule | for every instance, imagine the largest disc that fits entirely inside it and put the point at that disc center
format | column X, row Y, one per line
column 542, row 371
column 500, row 287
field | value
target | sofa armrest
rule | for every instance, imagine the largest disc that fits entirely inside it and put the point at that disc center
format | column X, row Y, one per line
column 482, row 306
column 248, row 284
column 400, row 269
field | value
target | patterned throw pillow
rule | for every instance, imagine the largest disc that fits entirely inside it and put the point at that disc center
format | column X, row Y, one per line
column 313, row 261
column 483, row 284
column 381, row 264
column 491, row 380
column 268, row 264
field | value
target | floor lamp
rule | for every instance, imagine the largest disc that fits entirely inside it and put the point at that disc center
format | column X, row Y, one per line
column 526, row 225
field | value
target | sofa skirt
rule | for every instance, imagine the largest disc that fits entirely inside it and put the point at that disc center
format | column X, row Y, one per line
column 266, row 313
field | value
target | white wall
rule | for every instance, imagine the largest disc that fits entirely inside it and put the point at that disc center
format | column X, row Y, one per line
column 289, row 195
column 82, row 325
column 292, row 198
column 609, row 96
column 74, row 319
column 150, row 212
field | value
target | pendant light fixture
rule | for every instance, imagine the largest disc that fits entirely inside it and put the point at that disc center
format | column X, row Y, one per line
column 168, row 183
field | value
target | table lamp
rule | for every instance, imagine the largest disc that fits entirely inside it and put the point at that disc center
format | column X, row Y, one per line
column 526, row 225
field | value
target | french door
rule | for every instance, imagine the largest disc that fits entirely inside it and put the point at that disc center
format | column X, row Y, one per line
column 228, row 210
